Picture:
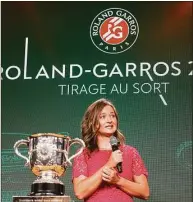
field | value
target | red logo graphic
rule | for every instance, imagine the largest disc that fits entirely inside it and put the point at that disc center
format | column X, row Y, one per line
column 114, row 30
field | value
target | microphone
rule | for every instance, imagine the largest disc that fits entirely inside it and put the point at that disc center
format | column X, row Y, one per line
column 115, row 146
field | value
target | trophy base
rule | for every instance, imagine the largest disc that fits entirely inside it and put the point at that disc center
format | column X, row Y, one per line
column 47, row 189
column 41, row 199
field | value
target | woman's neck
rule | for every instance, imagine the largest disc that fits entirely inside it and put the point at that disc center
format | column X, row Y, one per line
column 103, row 142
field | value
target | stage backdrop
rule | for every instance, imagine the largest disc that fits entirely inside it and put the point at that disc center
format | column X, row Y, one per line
column 59, row 57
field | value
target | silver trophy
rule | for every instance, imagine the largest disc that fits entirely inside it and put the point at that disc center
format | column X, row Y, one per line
column 48, row 158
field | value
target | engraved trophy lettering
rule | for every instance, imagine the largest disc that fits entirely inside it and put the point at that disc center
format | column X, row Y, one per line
column 48, row 158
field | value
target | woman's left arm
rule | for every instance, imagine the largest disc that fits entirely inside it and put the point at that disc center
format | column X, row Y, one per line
column 138, row 188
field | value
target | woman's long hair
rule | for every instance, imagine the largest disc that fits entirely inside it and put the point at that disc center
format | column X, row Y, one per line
column 90, row 123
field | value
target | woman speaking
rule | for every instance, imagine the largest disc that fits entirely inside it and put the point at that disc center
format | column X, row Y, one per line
column 107, row 170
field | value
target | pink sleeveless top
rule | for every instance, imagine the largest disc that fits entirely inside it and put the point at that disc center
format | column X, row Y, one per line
column 87, row 165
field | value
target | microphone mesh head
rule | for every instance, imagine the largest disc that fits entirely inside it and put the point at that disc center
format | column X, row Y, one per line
column 113, row 140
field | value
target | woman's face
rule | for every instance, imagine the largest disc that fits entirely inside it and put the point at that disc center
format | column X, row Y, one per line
column 107, row 121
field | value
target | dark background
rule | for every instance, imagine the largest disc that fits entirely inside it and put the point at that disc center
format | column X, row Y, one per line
column 58, row 34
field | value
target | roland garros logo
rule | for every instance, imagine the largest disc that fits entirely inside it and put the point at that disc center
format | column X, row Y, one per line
column 114, row 30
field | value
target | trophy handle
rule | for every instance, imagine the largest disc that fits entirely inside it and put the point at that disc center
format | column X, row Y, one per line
column 75, row 141
column 16, row 145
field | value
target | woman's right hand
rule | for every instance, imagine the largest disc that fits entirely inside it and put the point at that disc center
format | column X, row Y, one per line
column 114, row 159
